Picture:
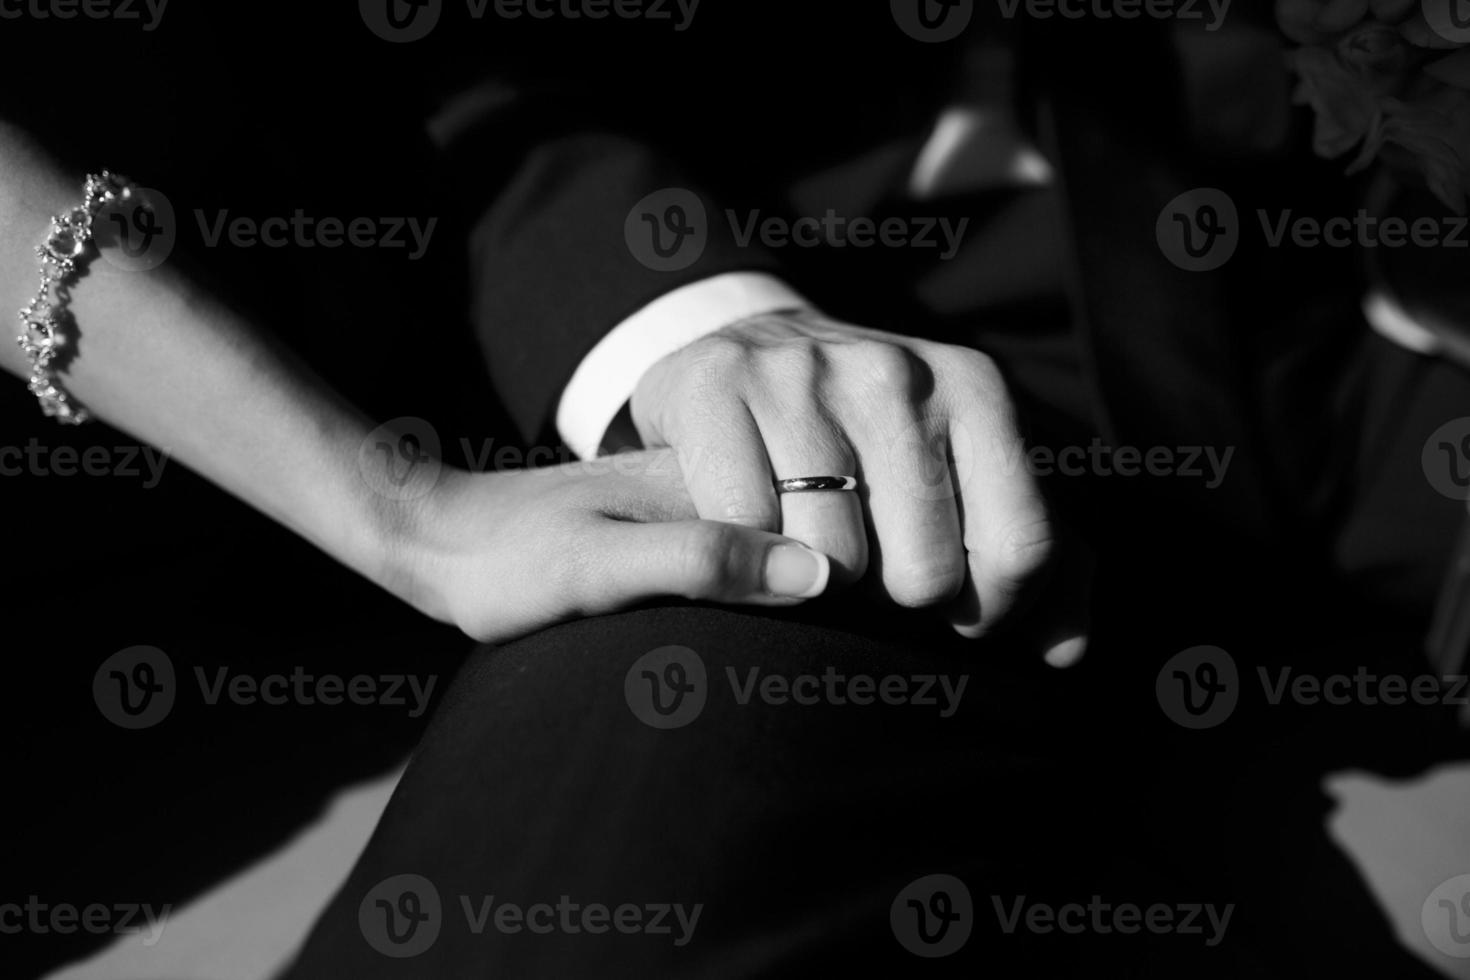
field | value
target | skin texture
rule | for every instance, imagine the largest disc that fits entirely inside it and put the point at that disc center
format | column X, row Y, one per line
column 497, row 554
column 946, row 516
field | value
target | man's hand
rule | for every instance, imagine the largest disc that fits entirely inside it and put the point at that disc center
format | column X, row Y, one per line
column 945, row 513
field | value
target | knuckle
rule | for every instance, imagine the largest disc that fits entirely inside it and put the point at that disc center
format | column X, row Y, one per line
column 716, row 361
column 1024, row 550
column 888, row 367
column 799, row 362
column 748, row 513
column 976, row 368
column 705, row 561
column 924, row 583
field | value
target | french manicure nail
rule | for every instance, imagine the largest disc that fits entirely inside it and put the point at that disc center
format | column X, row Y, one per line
column 796, row 572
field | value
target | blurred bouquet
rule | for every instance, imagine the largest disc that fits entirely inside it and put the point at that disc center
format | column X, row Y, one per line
column 1390, row 78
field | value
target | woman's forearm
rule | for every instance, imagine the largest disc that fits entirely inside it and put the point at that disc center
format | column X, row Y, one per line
column 158, row 358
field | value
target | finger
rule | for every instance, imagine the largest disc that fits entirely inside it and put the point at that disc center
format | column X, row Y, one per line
column 802, row 441
column 919, row 547
column 704, row 560
column 1007, row 531
column 723, row 458
column 1059, row 622
column 1065, row 614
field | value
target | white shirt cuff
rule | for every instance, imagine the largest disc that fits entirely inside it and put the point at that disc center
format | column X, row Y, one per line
column 605, row 379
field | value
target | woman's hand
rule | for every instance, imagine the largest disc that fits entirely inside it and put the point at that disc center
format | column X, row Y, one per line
column 503, row 554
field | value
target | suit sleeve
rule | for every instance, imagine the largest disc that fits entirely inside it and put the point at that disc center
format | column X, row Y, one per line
column 552, row 268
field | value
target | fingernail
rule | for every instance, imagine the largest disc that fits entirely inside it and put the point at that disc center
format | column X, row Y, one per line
column 795, row 571
column 1067, row 652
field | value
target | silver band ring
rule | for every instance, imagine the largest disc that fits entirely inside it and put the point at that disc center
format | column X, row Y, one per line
column 810, row 484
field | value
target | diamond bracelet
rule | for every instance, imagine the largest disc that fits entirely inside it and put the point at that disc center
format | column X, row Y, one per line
column 45, row 317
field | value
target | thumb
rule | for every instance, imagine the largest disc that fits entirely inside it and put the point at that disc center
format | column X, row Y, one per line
column 711, row 561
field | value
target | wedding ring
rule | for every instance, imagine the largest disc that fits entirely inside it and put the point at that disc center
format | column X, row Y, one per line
column 810, row 484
